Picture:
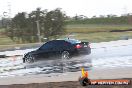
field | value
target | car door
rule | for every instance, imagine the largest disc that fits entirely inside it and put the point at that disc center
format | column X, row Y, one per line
column 55, row 49
column 59, row 46
column 45, row 50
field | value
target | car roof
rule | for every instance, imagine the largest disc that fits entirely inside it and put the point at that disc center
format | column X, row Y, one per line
column 73, row 41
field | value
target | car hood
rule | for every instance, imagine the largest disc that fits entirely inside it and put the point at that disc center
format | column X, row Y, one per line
column 31, row 52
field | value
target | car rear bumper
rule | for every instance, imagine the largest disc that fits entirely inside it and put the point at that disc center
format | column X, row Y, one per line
column 85, row 51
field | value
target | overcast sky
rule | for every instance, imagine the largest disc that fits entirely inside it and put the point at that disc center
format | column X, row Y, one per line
column 71, row 7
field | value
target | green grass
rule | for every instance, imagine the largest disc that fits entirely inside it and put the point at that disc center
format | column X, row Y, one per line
column 89, row 28
column 102, row 36
column 6, row 40
column 2, row 29
column 13, row 46
column 84, row 32
column 98, row 33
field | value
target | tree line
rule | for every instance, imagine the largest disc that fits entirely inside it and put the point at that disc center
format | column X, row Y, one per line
column 109, row 19
column 39, row 24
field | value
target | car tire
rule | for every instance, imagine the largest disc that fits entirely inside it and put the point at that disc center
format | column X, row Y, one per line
column 65, row 55
column 29, row 58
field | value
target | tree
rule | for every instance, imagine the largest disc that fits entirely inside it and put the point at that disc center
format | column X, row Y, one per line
column 24, row 26
column 54, row 23
column 37, row 16
column 18, row 26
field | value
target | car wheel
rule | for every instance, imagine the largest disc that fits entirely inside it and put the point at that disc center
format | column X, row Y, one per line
column 65, row 55
column 65, row 63
column 29, row 58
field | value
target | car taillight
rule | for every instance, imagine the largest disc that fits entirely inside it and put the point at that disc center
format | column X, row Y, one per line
column 78, row 46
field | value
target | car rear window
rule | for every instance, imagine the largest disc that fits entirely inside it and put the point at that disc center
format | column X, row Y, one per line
column 73, row 41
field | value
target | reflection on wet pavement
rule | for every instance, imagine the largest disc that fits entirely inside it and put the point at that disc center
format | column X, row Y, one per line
column 14, row 68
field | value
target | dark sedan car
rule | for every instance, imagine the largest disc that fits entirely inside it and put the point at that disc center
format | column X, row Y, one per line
column 64, row 49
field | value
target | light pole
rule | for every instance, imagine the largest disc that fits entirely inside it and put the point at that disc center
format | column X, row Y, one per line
column 38, row 31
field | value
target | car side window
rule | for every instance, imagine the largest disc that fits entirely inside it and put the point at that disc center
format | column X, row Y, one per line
column 63, row 43
column 47, row 45
column 58, row 43
column 55, row 45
